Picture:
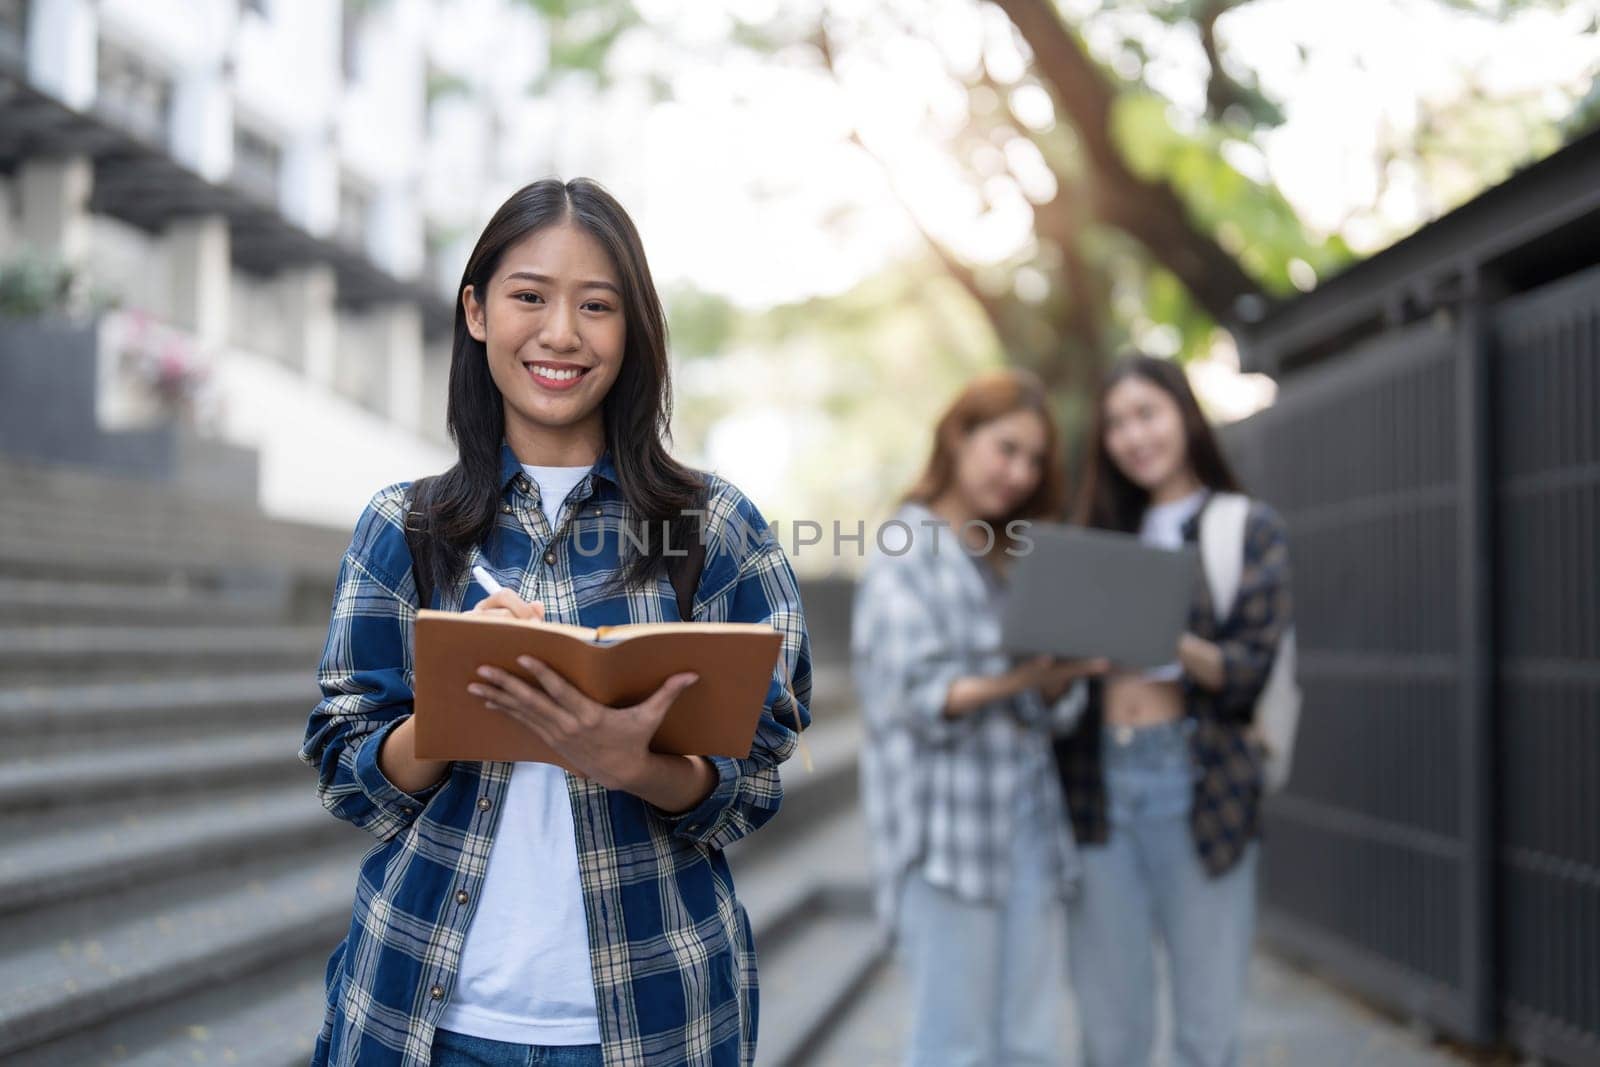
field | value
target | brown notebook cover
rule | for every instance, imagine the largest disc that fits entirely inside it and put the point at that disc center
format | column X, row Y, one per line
column 615, row 665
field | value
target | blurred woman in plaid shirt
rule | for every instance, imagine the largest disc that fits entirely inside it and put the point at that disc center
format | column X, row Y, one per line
column 971, row 845
column 1162, row 776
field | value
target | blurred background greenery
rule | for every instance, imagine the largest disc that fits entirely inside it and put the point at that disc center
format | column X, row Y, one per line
column 1066, row 180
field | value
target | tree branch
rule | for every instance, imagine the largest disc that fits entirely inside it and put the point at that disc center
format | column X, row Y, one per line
column 993, row 309
column 1150, row 212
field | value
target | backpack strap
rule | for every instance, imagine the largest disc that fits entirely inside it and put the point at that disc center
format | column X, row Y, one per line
column 414, row 535
column 1222, row 526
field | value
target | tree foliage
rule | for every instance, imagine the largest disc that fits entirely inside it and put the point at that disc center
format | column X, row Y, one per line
column 1150, row 232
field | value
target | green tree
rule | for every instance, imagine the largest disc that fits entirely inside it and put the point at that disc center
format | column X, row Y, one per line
column 1148, row 229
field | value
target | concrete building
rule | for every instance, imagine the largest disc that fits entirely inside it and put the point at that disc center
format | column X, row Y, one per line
column 279, row 194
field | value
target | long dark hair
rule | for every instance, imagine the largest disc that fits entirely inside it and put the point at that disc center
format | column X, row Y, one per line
column 986, row 398
column 456, row 510
column 1106, row 497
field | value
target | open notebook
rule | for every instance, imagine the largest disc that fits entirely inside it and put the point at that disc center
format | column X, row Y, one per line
column 615, row 665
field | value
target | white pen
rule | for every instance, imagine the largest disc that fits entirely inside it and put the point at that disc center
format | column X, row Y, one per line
column 486, row 580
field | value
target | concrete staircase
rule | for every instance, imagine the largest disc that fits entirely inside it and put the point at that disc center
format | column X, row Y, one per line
column 170, row 889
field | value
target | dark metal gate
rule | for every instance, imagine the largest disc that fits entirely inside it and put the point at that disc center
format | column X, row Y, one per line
column 1435, row 450
column 1547, row 478
column 1373, row 861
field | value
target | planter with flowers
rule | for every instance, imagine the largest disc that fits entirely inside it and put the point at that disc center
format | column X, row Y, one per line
column 82, row 383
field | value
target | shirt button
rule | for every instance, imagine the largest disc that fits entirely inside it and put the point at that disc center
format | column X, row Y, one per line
column 506, row 508
column 598, row 511
column 550, row 558
column 483, row 803
column 408, row 810
column 437, row 992
column 461, row 896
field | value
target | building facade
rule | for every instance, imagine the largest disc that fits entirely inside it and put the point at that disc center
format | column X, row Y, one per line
column 277, row 197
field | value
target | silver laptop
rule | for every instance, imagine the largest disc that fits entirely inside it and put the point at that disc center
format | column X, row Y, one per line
column 1082, row 593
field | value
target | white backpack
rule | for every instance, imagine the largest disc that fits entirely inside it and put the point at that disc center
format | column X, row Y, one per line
column 1277, row 711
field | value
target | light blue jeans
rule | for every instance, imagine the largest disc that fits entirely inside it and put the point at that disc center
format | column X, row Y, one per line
column 452, row 1049
column 1147, row 883
column 985, row 979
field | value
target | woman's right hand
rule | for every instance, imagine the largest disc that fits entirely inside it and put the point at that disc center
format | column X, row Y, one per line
column 508, row 602
column 396, row 758
column 1049, row 675
column 1052, row 675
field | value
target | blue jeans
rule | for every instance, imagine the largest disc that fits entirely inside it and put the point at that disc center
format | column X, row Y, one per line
column 452, row 1049
column 985, row 979
column 1147, row 883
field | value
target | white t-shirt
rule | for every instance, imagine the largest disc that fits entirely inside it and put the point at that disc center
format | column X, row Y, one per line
column 1163, row 526
column 525, row 975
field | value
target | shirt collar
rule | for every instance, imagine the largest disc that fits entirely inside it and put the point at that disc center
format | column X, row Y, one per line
column 511, row 466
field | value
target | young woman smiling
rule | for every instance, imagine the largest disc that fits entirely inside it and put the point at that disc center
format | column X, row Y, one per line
column 1162, row 780
column 971, row 845
column 513, row 912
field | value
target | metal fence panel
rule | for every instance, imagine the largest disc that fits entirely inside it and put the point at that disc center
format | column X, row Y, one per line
column 1439, row 846
column 1368, row 864
column 1546, row 375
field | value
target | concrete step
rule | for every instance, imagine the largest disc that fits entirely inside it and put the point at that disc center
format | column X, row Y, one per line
column 109, row 1012
column 811, row 797
column 168, row 541
column 779, row 887
column 130, row 496
column 267, row 1019
column 804, row 880
column 77, row 846
column 49, row 748
column 832, row 692
column 62, row 716
column 34, row 479
column 810, row 963
column 35, row 601
column 811, row 979
column 875, row 1028
column 809, row 901
column 84, row 963
column 219, row 563
column 54, row 495
column 190, row 767
column 203, row 528
column 71, row 968
column 814, row 838
column 65, row 854
column 304, row 586
column 33, row 655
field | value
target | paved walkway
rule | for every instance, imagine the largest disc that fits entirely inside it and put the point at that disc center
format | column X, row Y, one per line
column 1292, row 1018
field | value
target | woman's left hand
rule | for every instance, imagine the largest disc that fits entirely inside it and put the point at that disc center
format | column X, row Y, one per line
column 1202, row 660
column 609, row 745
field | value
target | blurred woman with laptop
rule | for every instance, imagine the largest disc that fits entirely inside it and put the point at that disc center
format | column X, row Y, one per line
column 971, row 846
column 1161, row 777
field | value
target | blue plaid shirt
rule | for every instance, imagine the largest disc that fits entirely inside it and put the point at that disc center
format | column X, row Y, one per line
column 671, row 946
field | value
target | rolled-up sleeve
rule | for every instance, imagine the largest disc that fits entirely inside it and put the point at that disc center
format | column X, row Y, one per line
column 365, row 678
column 749, row 791
column 1261, row 613
column 903, row 659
